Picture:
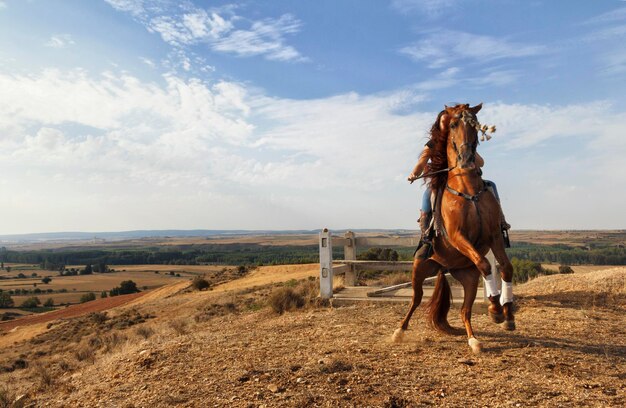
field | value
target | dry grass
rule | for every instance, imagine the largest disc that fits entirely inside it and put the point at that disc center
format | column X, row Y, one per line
column 180, row 326
column 144, row 332
column 560, row 355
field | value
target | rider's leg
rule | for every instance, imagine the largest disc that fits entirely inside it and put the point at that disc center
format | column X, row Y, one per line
column 494, row 190
column 424, row 248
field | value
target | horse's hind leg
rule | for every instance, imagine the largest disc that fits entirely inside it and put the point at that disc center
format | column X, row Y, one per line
column 469, row 279
column 506, row 272
column 421, row 270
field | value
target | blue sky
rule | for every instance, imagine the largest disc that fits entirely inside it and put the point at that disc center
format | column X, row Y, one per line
column 150, row 114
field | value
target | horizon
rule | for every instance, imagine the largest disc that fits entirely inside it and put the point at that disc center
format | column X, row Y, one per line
column 130, row 115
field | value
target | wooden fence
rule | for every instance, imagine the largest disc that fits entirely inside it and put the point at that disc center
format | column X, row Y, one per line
column 350, row 267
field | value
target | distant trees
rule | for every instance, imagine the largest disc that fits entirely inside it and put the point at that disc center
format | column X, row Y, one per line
column 47, row 280
column 103, row 294
column 125, row 288
column 87, row 271
column 49, row 303
column 6, row 300
column 31, row 303
column 379, row 254
column 87, row 297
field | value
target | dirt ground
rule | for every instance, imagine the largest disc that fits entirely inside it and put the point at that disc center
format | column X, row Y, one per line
column 208, row 349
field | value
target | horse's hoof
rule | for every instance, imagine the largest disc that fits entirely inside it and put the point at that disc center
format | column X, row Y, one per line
column 509, row 325
column 475, row 345
column 398, row 336
column 497, row 317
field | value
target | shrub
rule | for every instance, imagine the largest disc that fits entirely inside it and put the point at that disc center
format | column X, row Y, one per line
column 285, row 299
column 49, row 303
column 6, row 300
column 44, row 375
column 6, row 397
column 179, row 326
column 144, row 331
column 87, row 297
column 31, row 302
column 46, row 280
column 84, row 352
column 565, row 269
column 103, row 294
column 199, row 283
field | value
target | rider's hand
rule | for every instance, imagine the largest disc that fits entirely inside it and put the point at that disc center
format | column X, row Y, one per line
column 412, row 177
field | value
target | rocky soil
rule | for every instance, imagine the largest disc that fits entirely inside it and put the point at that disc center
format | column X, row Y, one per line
column 221, row 348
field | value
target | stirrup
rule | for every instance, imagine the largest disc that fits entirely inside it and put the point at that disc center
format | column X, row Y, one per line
column 505, row 236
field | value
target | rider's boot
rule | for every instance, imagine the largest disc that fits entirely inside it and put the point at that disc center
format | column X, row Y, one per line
column 505, row 227
column 424, row 249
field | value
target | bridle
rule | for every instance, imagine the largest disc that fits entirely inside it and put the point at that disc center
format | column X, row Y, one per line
column 470, row 121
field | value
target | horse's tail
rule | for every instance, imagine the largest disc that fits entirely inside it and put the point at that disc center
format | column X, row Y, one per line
column 439, row 305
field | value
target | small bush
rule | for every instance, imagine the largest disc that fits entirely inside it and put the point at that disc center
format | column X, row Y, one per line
column 112, row 341
column 199, row 283
column 6, row 397
column 565, row 269
column 44, row 376
column 98, row 317
column 180, row 326
column 49, row 303
column 85, row 352
column 103, row 294
column 144, row 331
column 285, row 299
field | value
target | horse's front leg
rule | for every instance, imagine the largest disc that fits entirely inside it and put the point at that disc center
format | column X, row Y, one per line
column 463, row 245
column 469, row 280
column 506, row 298
column 422, row 268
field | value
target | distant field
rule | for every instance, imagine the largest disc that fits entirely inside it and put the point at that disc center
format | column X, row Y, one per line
column 143, row 275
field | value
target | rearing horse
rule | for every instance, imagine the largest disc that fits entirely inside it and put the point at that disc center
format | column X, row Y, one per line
column 471, row 219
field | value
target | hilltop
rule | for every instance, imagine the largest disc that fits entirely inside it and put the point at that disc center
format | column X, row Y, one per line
column 223, row 348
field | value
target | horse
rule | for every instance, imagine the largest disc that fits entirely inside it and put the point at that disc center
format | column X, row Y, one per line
column 471, row 218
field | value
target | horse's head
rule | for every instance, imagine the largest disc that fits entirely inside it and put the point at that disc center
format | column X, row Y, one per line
column 461, row 124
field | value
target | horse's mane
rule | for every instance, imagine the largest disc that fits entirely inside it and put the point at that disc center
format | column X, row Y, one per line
column 438, row 155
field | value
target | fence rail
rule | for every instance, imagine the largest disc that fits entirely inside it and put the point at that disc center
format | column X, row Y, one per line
column 350, row 266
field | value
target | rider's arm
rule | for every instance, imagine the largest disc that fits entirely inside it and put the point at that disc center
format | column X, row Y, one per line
column 421, row 165
column 480, row 162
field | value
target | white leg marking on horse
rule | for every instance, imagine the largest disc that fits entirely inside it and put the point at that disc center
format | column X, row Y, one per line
column 491, row 285
column 475, row 345
column 398, row 336
column 507, row 293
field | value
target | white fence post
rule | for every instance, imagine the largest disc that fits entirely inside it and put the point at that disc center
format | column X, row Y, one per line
column 326, row 265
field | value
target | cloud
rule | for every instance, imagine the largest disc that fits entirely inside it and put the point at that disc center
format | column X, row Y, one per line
column 114, row 152
column 3, row 5
column 60, row 41
column 442, row 47
column 432, row 8
column 220, row 29
column 263, row 38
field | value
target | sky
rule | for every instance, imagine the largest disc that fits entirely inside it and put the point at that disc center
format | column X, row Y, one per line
column 155, row 114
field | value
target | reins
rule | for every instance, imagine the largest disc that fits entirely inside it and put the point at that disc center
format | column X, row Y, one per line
column 435, row 172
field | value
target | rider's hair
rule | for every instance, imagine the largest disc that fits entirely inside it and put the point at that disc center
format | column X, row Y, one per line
column 438, row 155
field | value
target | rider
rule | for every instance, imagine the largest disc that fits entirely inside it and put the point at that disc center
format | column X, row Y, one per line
column 426, row 210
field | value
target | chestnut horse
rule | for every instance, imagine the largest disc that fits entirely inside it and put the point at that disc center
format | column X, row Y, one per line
column 471, row 219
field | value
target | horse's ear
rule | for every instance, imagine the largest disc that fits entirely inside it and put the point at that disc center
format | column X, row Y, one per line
column 444, row 120
column 476, row 109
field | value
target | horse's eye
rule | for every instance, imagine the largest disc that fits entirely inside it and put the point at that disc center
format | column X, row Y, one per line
column 453, row 125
